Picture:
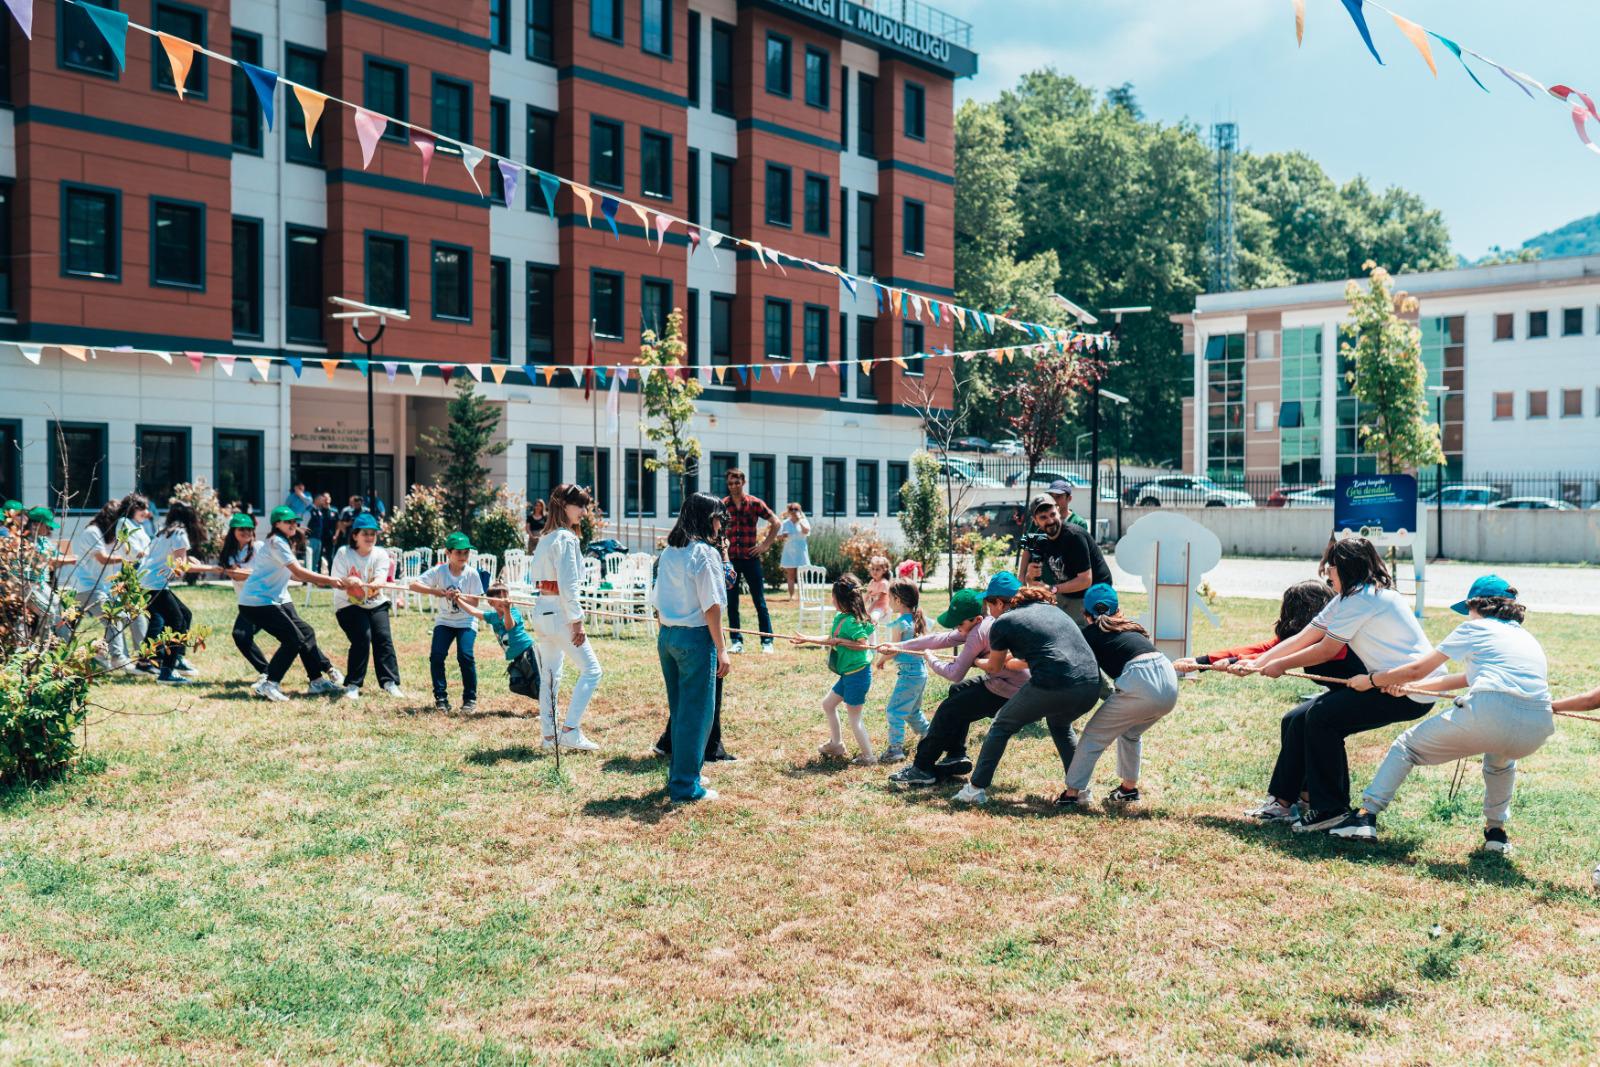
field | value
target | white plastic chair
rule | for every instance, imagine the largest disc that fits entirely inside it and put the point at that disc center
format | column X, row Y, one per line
column 305, row 561
column 815, row 593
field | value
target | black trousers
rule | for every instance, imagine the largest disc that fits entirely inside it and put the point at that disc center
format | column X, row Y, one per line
column 369, row 634
column 750, row 571
column 167, row 612
column 295, row 638
column 714, row 750
column 966, row 703
column 1311, row 756
column 1289, row 772
column 244, row 639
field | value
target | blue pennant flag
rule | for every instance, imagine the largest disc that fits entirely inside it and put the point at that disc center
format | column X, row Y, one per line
column 361, row 365
column 1354, row 7
column 264, row 81
column 877, row 290
column 744, row 375
column 849, row 283
column 934, row 304
column 608, row 208
column 295, row 364
column 113, row 26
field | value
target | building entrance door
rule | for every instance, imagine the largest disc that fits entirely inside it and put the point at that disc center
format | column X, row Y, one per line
column 341, row 475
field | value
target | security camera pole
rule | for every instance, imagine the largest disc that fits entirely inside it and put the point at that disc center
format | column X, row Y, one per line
column 355, row 312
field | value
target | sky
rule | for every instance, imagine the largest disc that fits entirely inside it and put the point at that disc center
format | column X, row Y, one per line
column 1501, row 167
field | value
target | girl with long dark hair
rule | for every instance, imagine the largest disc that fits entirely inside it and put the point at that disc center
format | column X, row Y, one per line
column 266, row 602
column 557, row 570
column 237, row 557
column 169, row 553
column 849, row 641
column 363, row 612
column 98, row 560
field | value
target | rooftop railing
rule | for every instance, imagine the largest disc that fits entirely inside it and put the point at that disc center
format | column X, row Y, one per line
column 921, row 16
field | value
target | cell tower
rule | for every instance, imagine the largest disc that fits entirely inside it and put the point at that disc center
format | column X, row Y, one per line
column 1225, row 143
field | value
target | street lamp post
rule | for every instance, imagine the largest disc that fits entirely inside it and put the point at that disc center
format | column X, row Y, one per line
column 1094, row 412
column 355, row 313
column 1439, row 393
column 1077, row 449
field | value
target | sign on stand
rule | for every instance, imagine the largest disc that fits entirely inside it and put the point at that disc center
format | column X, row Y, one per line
column 1383, row 508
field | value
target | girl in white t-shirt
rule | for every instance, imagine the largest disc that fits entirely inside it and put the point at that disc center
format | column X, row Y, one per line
column 1374, row 621
column 237, row 557
column 557, row 570
column 1504, row 716
column 99, row 559
column 363, row 612
column 167, row 555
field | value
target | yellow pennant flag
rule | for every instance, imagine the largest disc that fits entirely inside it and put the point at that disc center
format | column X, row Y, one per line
column 262, row 365
column 1419, row 37
column 311, row 103
column 329, row 366
column 499, row 372
column 588, row 202
column 180, row 54
column 644, row 217
column 717, row 372
column 866, row 366
column 1300, row 21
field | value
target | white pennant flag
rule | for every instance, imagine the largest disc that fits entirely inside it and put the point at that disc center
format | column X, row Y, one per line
column 713, row 239
column 166, row 357
column 577, row 374
column 470, row 158
column 476, row 370
column 644, row 375
column 613, row 397
column 622, row 372
column 31, row 353
column 777, row 373
column 416, row 372
column 811, row 369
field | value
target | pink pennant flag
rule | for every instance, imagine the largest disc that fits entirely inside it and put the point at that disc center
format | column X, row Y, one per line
column 476, row 370
column 1580, row 120
column 369, row 127
column 79, row 353
column 694, row 239
column 662, row 222
column 227, row 364
column 391, row 368
column 424, row 146
column 1566, row 93
column 23, row 12
column 263, row 366
column 195, row 359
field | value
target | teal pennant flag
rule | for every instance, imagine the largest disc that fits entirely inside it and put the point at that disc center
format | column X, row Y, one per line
column 113, row 26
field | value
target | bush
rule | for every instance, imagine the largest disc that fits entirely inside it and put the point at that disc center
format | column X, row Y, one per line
column 827, row 550
column 213, row 517
column 43, row 701
column 863, row 543
column 923, row 510
column 419, row 521
column 500, row 527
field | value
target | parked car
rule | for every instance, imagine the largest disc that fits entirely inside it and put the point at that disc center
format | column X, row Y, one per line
column 1320, row 496
column 967, row 472
column 1045, row 475
column 1008, row 447
column 1185, row 490
column 997, row 519
column 971, row 444
column 1467, row 496
column 1534, row 503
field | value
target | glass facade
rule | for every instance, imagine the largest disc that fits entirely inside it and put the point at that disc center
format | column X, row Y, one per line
column 1444, row 356
column 1350, row 456
column 1225, row 406
column 1300, row 412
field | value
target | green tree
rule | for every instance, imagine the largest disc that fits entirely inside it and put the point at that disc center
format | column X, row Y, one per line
column 1387, row 377
column 1039, row 401
column 922, row 512
column 669, row 402
column 461, row 447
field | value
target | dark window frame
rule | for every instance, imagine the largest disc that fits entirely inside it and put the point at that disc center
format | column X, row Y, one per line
column 787, row 173
column 769, row 491
column 665, row 138
column 157, row 202
column 621, row 334
column 640, row 484
column 540, row 33
column 68, row 188
column 500, row 39
column 367, row 237
column 11, row 460
column 529, row 270
column 600, row 471
column 538, row 138
column 113, row 72
column 831, row 464
column 866, row 383
column 645, row 282
column 823, row 100
column 548, row 452
column 665, row 51
column 808, row 314
column 723, row 304
column 186, row 451
column 434, row 247
column 812, row 180
column 691, row 190
column 289, row 232
column 892, row 484
column 443, row 81
column 914, row 367
column 786, row 74
column 259, row 475
column 499, row 145
column 1543, row 318
column 917, row 131
column 722, row 166
column 596, row 122
column 769, row 305
column 867, row 116
column 259, row 297
column 394, row 131
column 1566, row 322
column 294, row 125
column 910, row 207
column 866, row 234
column 874, row 496
column 618, row 20
column 1508, row 321
column 693, row 59
column 94, row 495
column 500, row 308
column 723, row 37
column 243, row 90
column 804, row 493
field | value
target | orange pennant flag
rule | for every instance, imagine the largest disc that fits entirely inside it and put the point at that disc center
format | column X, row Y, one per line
column 499, row 372
column 311, row 103
column 717, row 373
column 588, row 202
column 329, row 366
column 1300, row 21
column 262, row 365
column 180, row 54
column 644, row 217
column 77, row 352
column 899, row 362
column 960, row 313
column 549, row 374
column 1419, row 37
column 866, row 366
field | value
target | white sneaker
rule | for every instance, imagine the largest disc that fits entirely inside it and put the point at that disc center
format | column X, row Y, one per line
column 326, row 685
column 1594, row 876
column 336, row 675
column 709, row 794
column 268, row 690
column 394, row 690
column 1270, row 810
column 970, row 794
column 259, row 679
column 352, row 693
column 574, row 739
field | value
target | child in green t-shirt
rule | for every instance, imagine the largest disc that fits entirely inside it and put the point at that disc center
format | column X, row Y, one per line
column 848, row 641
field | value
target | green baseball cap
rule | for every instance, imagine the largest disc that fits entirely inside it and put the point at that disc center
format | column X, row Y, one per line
column 241, row 521
column 43, row 515
column 284, row 513
column 458, row 542
column 15, row 505
column 966, row 604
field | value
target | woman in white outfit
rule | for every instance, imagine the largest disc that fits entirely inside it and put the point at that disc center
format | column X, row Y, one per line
column 557, row 571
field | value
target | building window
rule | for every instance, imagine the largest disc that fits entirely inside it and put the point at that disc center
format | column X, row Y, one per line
column 1350, row 451
column 1300, row 406
column 691, row 329
column 721, row 67
column 1225, row 405
column 816, row 334
column 779, row 209
column 655, row 303
column 816, row 204
column 1538, row 404
column 541, row 31
column 499, row 26
column 246, row 104
column 798, row 485
column 1504, row 407
column 764, row 478
column 866, row 487
column 866, row 350
column 1572, row 403
column 541, row 311
column 387, row 275
column 913, row 227
column 816, row 77
column 867, row 116
column 541, row 149
column 692, row 193
column 452, row 109
column 247, row 279
column 598, row 482
column 500, row 145
column 721, row 464
column 1538, row 324
column 605, row 19
column 844, row 109
column 655, row 164
column 1505, row 328
column 844, row 228
column 189, row 23
column 605, row 153
column 721, row 330
column 776, row 334
column 844, row 354
column 911, row 343
column 916, row 112
column 384, row 91
column 161, row 461
column 833, row 488
column 655, row 36
column 778, row 78
column 866, row 235
column 78, row 461
column 1444, row 360
column 452, row 282
column 721, row 194
column 303, row 288
column 11, row 459
column 304, row 66
column 177, row 244
column 605, row 303
column 499, row 310
column 1572, row 322
column 680, row 484
column 91, row 232
column 544, row 471
column 83, row 47
column 638, row 483
column 694, row 70
column 7, row 201
column 899, row 473
column 238, row 466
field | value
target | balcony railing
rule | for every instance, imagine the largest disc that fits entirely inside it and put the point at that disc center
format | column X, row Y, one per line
column 922, row 17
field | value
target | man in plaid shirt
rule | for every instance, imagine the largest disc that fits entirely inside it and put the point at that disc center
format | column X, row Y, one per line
column 744, row 553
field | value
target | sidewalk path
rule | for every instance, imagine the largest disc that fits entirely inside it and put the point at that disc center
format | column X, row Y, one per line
column 1568, row 590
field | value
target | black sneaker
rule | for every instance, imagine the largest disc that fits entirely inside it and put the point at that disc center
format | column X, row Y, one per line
column 1495, row 840
column 1312, row 821
column 442, row 706
column 722, row 757
column 468, row 707
column 953, row 768
column 1356, row 826
column 1120, row 795
column 913, row 776
column 1082, row 800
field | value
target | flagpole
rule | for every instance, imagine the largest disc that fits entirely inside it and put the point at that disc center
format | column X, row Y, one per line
column 594, row 421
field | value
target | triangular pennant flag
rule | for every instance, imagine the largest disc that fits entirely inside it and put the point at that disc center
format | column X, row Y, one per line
column 195, row 359
column 761, row 253
column 1419, row 37
column 744, row 375
column 662, row 222
column 31, row 353
column 577, row 374
column 548, row 373
column 424, row 146
column 476, row 370
column 498, row 371
column 165, row 357
column 1565, row 95
column 811, row 369
column 1455, row 50
column 227, row 364
column 1580, row 119
column 599, row 377
column 113, row 26
column 644, row 218
column 777, row 261
column 361, row 365
column 933, row 306
column 905, row 304
column 510, row 173
column 263, row 366
column 587, row 196
column 311, row 105
column 264, row 82
column 296, row 364
column 416, row 372
column 713, row 239
column 608, row 208
column 622, row 374
column 1360, row 19
column 550, row 185
column 777, row 374
column 1300, row 21
column 694, row 239
column 717, row 373
column 329, row 366
column 877, row 291
column 180, row 54
column 446, row 370
column 916, row 305
column 756, row 370
column 369, row 127
column 644, row 374
column 848, row 280
column 77, row 352
column 22, row 10
column 390, row 368
column 899, row 361
column 1516, row 77
column 470, row 158
column 866, row 366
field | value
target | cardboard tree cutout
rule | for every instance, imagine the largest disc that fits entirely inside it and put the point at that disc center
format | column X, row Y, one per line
column 1171, row 554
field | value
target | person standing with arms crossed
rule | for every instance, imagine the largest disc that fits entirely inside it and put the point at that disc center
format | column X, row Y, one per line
column 744, row 552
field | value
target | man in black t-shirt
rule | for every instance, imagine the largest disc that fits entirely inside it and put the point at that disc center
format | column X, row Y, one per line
column 1062, row 556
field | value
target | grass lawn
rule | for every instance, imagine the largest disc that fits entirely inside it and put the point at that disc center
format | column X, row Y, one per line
column 334, row 882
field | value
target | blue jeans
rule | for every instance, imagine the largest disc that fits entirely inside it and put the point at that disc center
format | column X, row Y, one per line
column 464, row 640
column 905, row 706
column 315, row 545
column 689, row 668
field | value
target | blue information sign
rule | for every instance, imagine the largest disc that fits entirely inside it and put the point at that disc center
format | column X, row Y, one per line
column 1376, row 506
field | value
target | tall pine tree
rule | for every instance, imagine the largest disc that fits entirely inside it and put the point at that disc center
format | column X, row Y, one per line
column 461, row 446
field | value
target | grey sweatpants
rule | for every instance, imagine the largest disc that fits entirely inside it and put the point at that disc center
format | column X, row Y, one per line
column 1502, row 727
column 1059, row 708
column 1146, row 690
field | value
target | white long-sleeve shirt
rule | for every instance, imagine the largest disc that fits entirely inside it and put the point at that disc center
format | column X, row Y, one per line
column 559, row 559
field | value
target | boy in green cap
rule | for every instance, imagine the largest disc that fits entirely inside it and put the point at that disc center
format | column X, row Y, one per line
column 453, row 581
column 16, row 519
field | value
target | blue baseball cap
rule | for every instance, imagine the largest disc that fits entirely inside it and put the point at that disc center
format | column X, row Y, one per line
column 1490, row 585
column 1100, row 599
column 365, row 522
column 1004, row 585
